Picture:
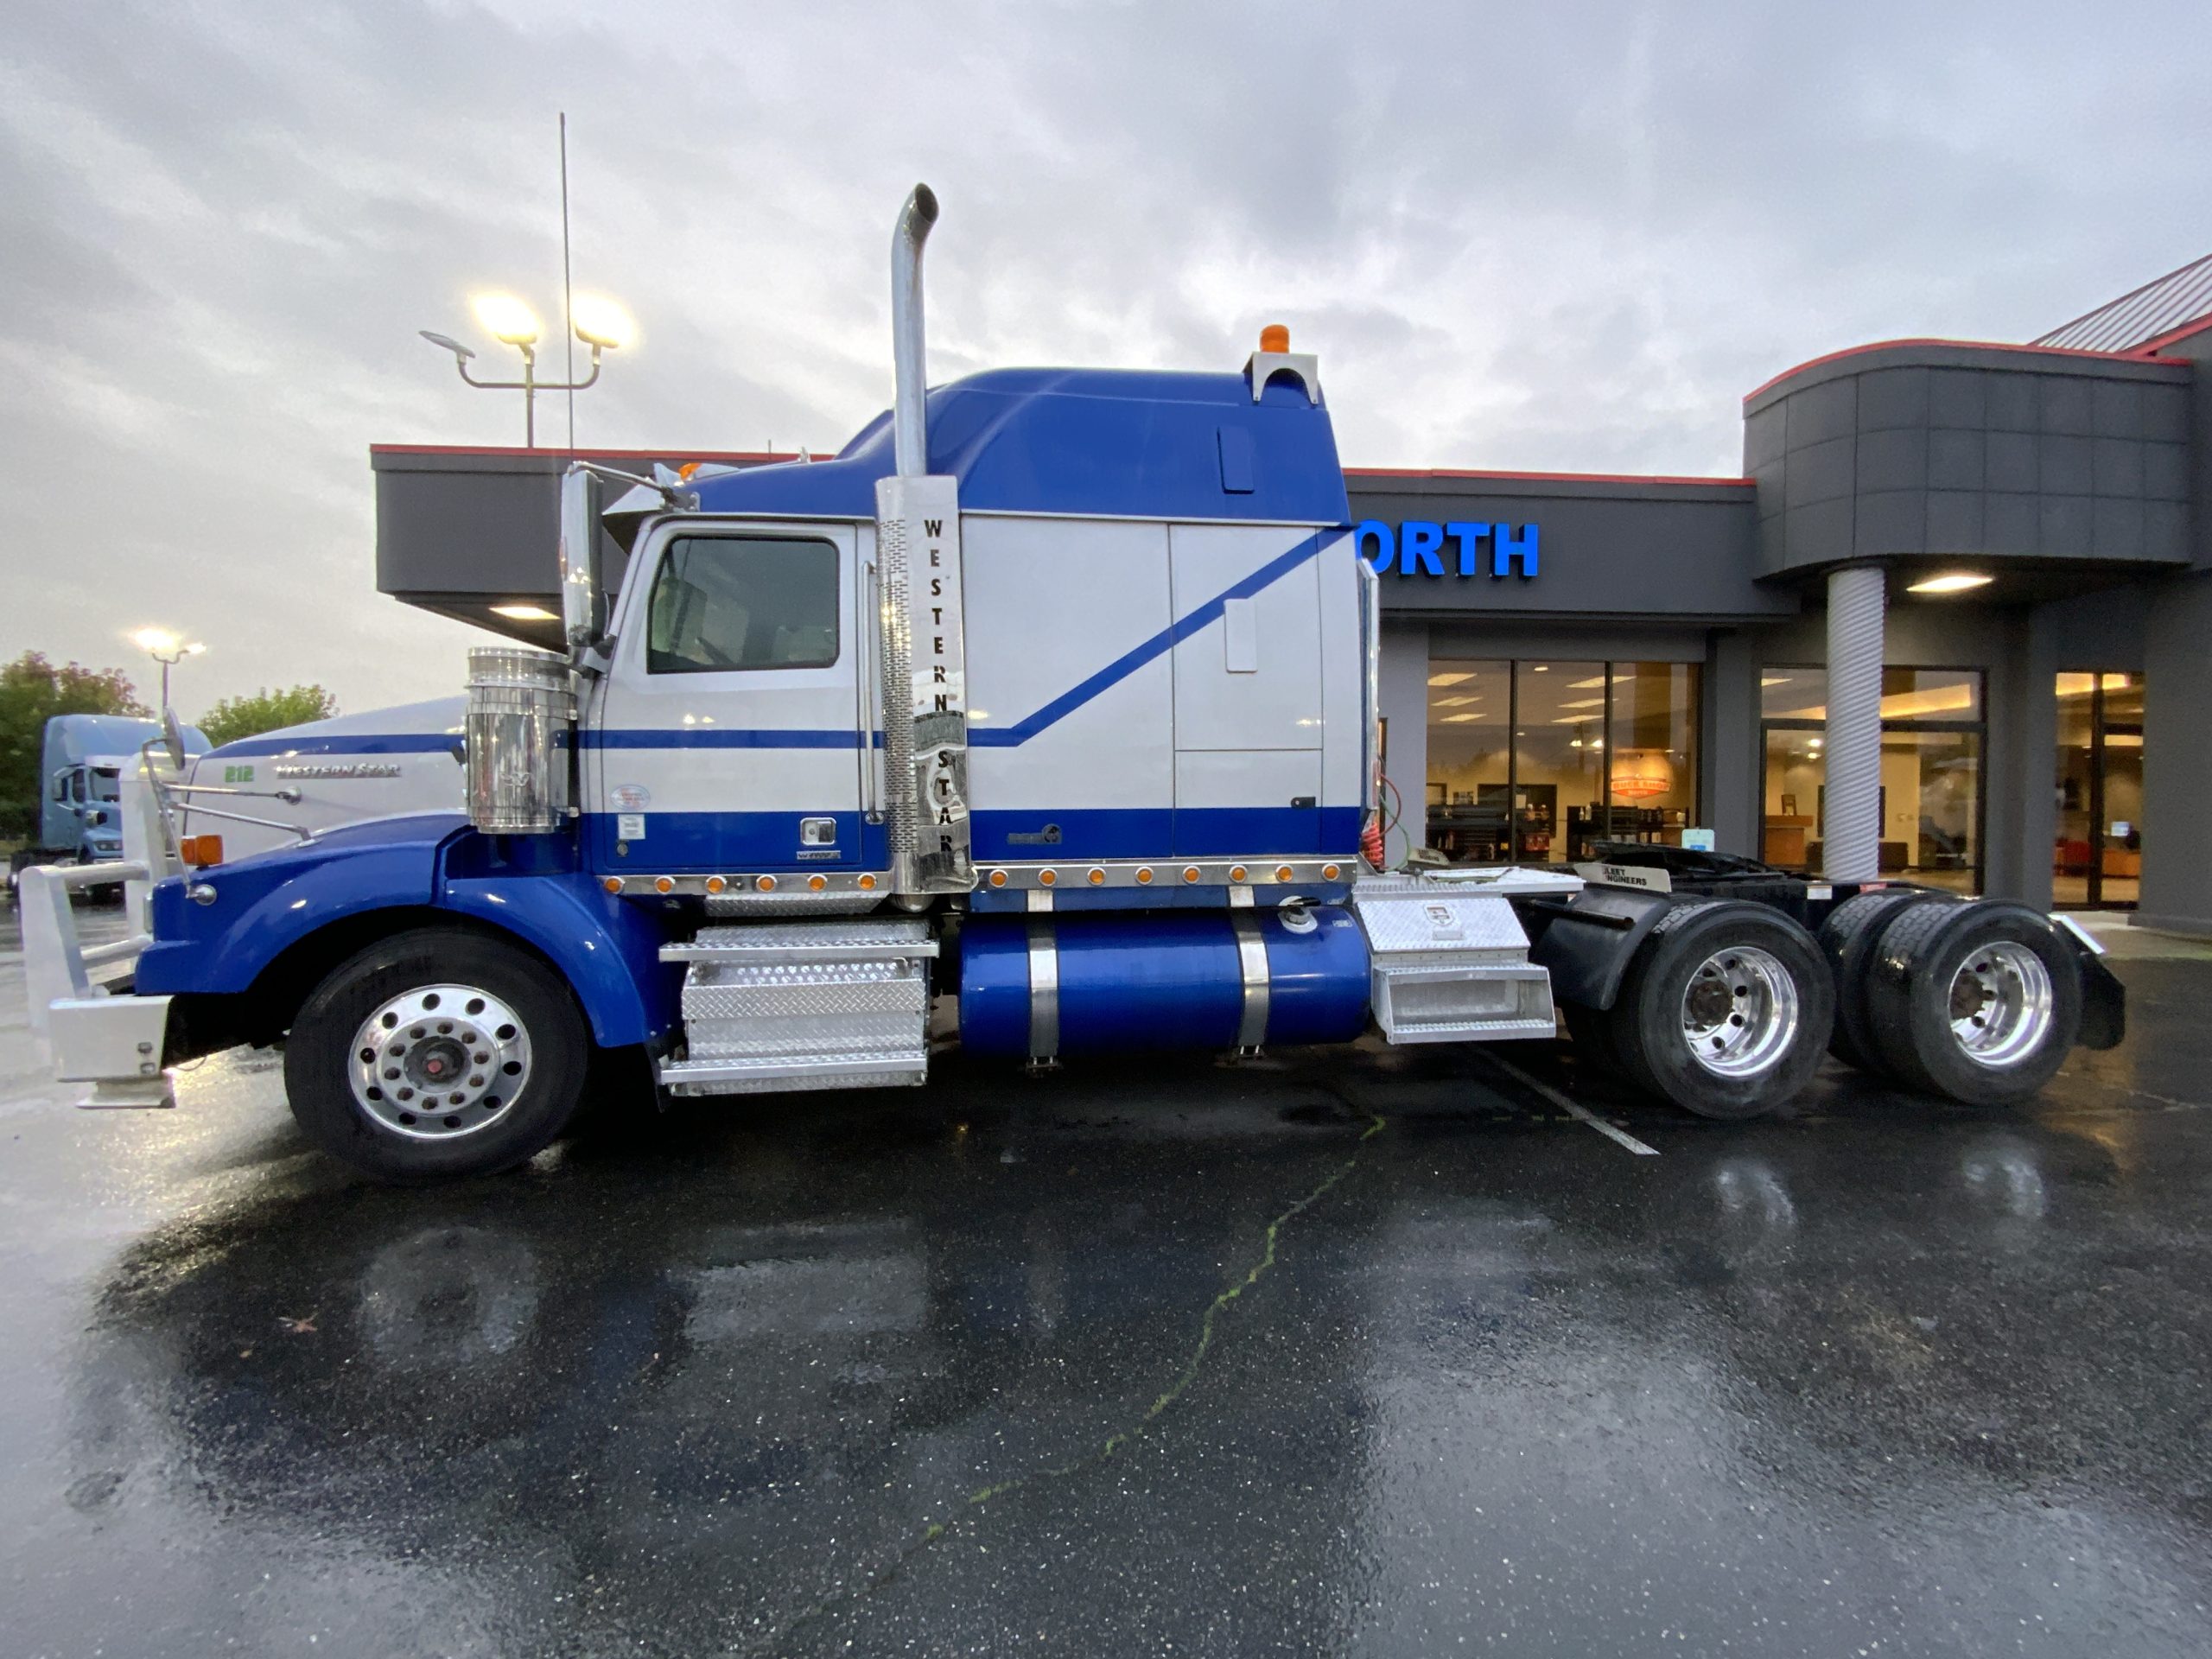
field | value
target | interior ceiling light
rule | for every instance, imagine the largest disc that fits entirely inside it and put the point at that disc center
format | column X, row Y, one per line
column 520, row 613
column 1951, row 581
column 1596, row 683
column 1449, row 679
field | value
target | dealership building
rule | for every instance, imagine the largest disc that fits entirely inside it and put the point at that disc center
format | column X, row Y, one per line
column 2009, row 545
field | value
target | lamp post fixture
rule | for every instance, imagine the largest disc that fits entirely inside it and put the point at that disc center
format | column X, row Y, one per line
column 600, row 324
column 167, row 650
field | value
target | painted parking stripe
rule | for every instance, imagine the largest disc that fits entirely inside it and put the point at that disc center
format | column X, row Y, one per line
column 1573, row 1109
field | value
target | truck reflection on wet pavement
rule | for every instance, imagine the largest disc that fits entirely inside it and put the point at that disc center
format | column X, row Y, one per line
column 1157, row 1356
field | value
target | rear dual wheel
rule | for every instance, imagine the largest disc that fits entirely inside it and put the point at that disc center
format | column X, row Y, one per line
column 1725, row 1011
column 1981, row 1002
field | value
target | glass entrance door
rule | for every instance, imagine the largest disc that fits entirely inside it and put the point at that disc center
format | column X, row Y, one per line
column 2097, row 860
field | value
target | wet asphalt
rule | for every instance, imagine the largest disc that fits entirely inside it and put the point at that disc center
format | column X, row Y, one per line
column 1373, row 1352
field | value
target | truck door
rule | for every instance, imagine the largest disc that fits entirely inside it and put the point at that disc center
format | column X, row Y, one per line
column 731, row 734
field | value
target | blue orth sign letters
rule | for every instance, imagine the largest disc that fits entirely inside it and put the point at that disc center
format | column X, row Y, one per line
column 1415, row 546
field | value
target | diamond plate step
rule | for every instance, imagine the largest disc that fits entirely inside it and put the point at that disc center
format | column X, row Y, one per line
column 769, row 1074
column 815, row 1004
column 881, row 937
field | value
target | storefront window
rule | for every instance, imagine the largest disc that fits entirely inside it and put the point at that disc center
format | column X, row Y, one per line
column 1470, row 759
column 1652, row 752
column 1558, row 745
column 1538, row 761
column 1931, row 772
column 2098, row 860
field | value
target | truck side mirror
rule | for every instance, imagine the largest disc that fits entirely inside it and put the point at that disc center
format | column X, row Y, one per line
column 173, row 739
column 61, row 785
column 583, row 593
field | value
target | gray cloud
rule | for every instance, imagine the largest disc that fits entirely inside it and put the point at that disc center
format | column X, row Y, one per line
column 1548, row 238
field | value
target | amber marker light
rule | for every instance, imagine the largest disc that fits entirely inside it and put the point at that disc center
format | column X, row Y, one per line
column 1236, row 872
column 1046, row 878
column 815, row 883
column 715, row 884
column 663, row 884
column 1144, row 877
column 998, row 877
column 867, row 884
column 1097, row 878
column 1189, row 873
column 766, row 883
column 612, row 883
column 1282, row 872
column 1331, row 872
column 1275, row 337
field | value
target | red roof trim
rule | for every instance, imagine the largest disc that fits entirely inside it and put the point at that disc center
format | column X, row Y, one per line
column 1541, row 478
column 587, row 454
column 2151, row 347
column 2133, row 355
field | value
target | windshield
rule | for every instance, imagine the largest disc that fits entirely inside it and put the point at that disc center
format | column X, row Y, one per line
column 107, row 784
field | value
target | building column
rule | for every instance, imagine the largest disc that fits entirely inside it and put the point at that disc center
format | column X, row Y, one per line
column 1850, row 832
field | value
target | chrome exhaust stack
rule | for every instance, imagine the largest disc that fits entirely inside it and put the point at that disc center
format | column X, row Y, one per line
column 909, row 351
column 921, row 617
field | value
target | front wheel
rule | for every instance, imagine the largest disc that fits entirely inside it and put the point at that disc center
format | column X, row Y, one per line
column 1726, row 1010
column 436, row 1053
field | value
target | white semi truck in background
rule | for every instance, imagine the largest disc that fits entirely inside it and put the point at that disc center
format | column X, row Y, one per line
column 1051, row 697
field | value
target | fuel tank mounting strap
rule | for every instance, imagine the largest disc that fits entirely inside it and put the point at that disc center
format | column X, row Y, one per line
column 1044, row 989
column 1252, row 964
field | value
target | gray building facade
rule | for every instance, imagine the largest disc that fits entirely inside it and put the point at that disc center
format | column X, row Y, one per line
column 1571, row 658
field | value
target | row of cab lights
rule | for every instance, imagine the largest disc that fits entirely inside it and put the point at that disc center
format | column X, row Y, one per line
column 721, row 883
column 1237, row 875
column 1096, row 876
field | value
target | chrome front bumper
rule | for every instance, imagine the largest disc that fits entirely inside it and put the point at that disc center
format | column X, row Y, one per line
column 112, row 1042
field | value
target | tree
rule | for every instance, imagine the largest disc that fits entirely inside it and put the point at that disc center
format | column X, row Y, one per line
column 266, row 711
column 32, row 691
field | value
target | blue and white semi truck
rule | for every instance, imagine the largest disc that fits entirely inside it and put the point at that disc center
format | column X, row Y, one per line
column 1051, row 697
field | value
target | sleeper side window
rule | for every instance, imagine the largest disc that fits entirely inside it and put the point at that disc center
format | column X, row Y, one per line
column 723, row 602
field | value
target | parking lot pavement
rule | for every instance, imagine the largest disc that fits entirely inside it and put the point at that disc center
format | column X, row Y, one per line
column 1370, row 1353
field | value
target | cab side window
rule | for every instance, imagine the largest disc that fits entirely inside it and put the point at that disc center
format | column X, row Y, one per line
column 723, row 602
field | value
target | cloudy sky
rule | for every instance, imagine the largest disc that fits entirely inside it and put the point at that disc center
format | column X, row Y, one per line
column 1551, row 236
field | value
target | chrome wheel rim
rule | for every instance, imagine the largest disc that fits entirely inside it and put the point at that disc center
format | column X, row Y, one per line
column 440, row 1062
column 1739, row 1011
column 2000, row 1004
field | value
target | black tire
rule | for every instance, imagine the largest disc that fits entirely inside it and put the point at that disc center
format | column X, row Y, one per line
column 1848, row 939
column 1713, row 943
column 484, row 1131
column 1916, row 988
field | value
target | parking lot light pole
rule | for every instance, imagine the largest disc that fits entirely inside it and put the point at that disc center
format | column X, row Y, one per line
column 598, row 324
column 168, row 651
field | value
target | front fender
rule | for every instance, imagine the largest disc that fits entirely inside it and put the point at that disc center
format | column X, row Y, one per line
column 266, row 904
column 607, row 948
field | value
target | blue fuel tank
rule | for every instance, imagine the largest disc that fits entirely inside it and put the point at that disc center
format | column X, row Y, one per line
column 1166, row 979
